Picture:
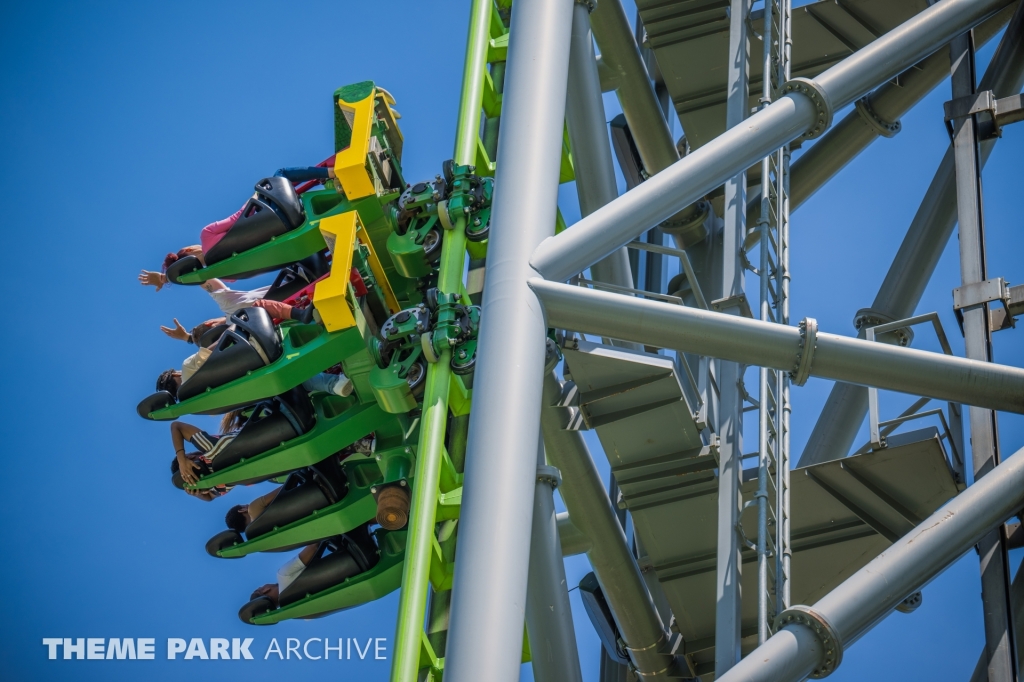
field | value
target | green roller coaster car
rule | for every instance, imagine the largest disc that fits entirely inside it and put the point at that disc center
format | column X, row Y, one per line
column 307, row 350
column 339, row 423
column 356, row 508
column 383, row 579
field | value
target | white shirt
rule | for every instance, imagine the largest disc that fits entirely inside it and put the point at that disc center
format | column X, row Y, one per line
column 192, row 363
column 231, row 301
column 287, row 574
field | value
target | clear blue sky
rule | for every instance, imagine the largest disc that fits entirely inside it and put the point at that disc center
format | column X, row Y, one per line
column 128, row 126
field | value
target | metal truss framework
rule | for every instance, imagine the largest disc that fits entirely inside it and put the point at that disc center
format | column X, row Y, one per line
column 507, row 571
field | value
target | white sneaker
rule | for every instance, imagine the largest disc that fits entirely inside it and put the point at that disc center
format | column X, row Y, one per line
column 343, row 386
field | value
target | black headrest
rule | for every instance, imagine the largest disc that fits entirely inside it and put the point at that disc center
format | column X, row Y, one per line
column 211, row 335
column 183, row 266
column 258, row 325
column 297, row 276
column 223, row 540
column 256, row 607
column 298, row 409
column 280, row 194
column 157, row 401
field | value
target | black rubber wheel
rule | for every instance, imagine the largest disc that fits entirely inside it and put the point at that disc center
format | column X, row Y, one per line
column 417, row 377
column 432, row 245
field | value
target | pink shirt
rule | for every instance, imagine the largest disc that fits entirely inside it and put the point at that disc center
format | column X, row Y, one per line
column 214, row 232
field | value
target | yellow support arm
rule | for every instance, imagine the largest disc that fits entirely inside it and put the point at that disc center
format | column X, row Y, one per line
column 350, row 163
column 331, row 294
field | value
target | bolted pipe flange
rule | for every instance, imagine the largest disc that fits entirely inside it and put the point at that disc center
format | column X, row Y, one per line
column 869, row 317
column 654, row 661
column 871, row 117
column 689, row 229
column 805, row 357
column 552, row 355
column 832, row 648
column 550, row 475
column 815, row 93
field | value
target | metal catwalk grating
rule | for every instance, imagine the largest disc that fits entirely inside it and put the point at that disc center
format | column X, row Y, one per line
column 844, row 513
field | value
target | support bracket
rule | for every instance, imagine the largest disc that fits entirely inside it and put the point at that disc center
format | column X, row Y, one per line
column 738, row 301
column 1000, row 112
column 979, row 293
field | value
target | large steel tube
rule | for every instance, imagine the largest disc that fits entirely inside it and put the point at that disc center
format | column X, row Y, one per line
column 752, row 342
column 902, row 47
column 591, row 511
column 588, row 133
column 871, row 593
column 553, row 652
column 887, row 104
column 738, row 148
column 918, row 255
column 491, row 566
column 620, row 55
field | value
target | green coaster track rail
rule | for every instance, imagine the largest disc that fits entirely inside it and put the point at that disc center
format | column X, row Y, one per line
column 481, row 101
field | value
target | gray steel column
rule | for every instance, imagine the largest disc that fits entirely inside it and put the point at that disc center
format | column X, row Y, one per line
column 806, row 110
column 643, row 111
column 491, row 566
column 591, row 511
column 813, row 641
column 1017, row 601
column 918, row 255
column 554, row 656
column 728, row 595
column 995, row 567
column 802, row 351
column 591, row 150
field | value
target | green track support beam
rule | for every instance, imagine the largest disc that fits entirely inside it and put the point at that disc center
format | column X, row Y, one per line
column 422, row 543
